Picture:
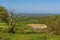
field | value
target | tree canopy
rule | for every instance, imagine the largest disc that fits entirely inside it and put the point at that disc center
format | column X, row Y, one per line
column 3, row 13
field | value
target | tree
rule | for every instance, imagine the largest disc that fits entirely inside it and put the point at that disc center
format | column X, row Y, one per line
column 9, row 18
column 3, row 14
column 12, row 21
column 56, row 28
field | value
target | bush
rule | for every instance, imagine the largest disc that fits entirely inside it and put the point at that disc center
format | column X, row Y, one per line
column 56, row 28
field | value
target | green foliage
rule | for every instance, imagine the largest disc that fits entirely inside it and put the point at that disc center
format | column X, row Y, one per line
column 56, row 27
column 3, row 14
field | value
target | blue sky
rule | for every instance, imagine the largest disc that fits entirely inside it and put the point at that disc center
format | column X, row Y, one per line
column 32, row 6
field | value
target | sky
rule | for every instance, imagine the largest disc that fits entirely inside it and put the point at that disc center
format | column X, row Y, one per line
column 32, row 6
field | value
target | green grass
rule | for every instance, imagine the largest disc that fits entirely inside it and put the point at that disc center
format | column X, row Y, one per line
column 22, row 36
column 6, row 36
column 54, row 37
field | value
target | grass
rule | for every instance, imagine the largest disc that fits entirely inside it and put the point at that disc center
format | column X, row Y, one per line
column 22, row 36
column 7, row 36
column 54, row 37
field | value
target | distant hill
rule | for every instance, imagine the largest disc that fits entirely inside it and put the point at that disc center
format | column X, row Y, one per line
column 35, row 14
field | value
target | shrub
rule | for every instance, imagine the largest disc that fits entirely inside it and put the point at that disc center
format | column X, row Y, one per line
column 56, row 28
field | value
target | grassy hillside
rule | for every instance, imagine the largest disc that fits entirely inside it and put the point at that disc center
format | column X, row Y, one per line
column 22, row 24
